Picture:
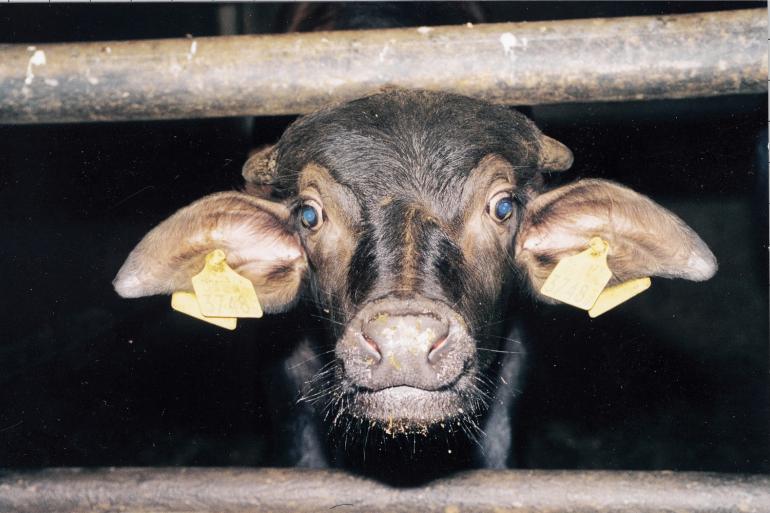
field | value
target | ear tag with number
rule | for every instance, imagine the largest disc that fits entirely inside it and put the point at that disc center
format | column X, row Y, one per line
column 613, row 296
column 222, row 292
column 187, row 303
column 578, row 280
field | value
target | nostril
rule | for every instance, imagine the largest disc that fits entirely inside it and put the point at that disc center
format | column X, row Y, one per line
column 437, row 344
column 371, row 347
column 437, row 349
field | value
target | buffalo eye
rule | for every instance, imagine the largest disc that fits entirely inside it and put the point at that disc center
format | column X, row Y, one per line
column 501, row 206
column 310, row 215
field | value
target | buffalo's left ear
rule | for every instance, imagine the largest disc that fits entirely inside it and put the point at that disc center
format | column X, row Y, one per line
column 645, row 239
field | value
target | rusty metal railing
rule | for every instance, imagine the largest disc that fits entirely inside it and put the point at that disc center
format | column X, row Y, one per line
column 193, row 490
column 614, row 59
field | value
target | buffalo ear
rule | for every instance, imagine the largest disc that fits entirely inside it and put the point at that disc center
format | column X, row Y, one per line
column 254, row 234
column 554, row 156
column 259, row 171
column 645, row 239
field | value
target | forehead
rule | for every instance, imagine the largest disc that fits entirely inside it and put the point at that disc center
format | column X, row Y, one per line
column 405, row 143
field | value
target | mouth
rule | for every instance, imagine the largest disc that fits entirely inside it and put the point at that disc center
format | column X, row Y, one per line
column 466, row 369
column 406, row 409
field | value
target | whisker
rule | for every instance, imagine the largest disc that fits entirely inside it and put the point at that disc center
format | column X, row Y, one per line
column 508, row 339
column 311, row 359
column 499, row 350
column 327, row 319
column 494, row 323
column 484, row 394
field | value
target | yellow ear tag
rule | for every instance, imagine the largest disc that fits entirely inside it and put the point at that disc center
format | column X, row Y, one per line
column 613, row 296
column 187, row 303
column 578, row 280
column 222, row 292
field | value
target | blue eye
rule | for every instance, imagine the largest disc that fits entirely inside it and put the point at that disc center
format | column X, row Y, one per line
column 309, row 216
column 503, row 208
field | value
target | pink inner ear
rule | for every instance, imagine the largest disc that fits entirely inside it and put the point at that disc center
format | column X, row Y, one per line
column 252, row 232
column 257, row 239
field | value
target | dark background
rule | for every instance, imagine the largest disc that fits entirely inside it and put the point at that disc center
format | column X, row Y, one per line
column 675, row 379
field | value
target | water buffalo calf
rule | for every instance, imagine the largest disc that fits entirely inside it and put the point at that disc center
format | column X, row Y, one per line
column 412, row 221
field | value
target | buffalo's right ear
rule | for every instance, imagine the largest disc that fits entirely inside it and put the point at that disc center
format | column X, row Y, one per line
column 254, row 233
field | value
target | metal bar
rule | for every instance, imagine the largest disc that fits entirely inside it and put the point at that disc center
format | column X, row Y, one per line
column 614, row 59
column 192, row 490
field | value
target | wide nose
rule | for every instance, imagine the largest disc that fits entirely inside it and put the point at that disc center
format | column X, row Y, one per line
column 406, row 348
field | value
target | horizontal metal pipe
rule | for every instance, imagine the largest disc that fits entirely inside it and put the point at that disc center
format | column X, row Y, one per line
column 231, row 490
column 613, row 59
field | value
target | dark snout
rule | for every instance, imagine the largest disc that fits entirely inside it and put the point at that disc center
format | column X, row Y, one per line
column 416, row 343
